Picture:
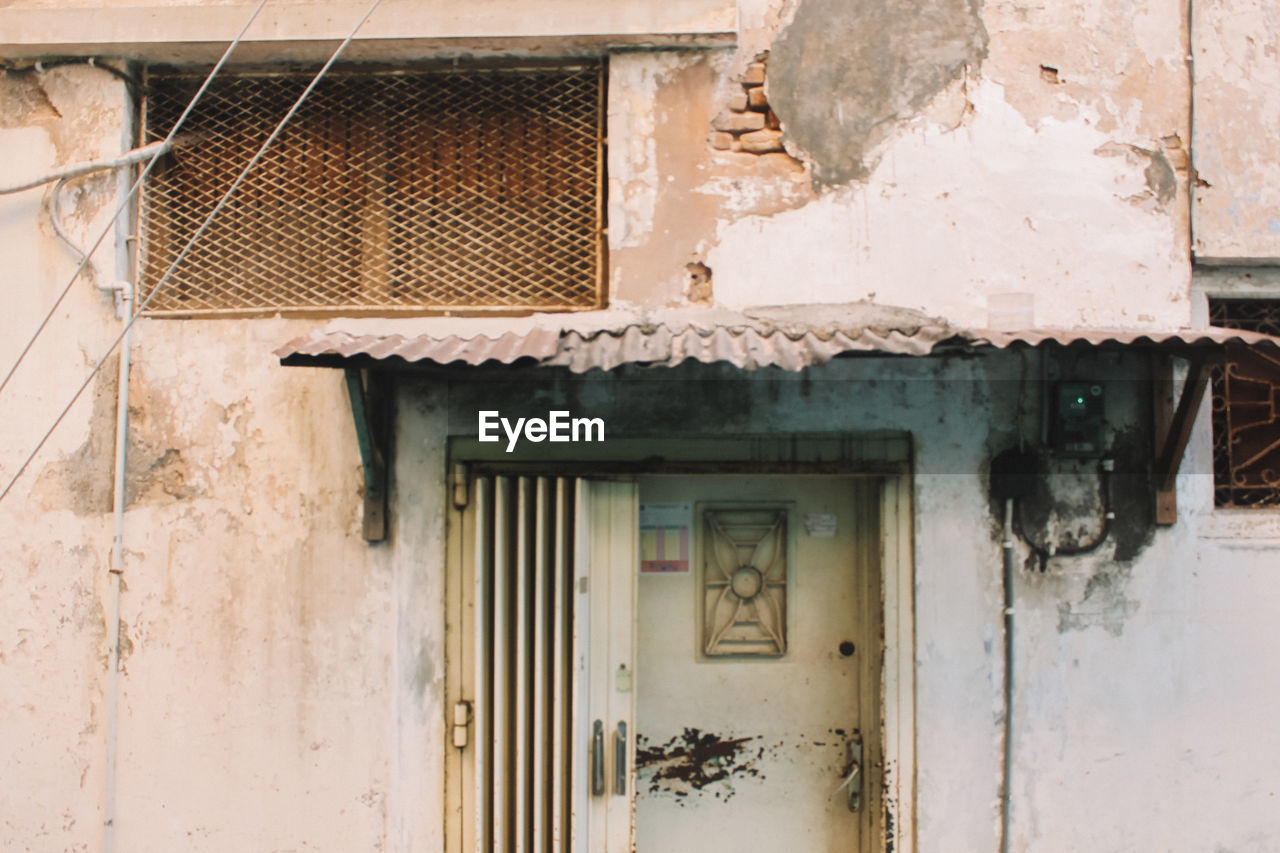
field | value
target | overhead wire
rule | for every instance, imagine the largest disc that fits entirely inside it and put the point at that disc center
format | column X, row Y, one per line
column 161, row 148
column 253, row 161
column 79, row 170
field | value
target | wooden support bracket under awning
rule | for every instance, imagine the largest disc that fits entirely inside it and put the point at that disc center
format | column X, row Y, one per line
column 371, row 410
column 1173, row 426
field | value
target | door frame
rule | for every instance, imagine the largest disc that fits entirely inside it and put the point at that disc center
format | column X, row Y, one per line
column 886, row 457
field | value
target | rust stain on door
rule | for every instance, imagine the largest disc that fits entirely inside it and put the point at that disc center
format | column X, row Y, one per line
column 694, row 760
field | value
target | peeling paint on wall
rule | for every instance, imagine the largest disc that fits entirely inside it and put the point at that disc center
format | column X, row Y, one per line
column 633, row 166
column 943, row 204
column 1162, row 185
column 842, row 74
column 26, row 102
column 659, row 226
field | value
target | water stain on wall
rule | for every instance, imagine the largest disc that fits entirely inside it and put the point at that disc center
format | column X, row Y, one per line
column 1104, row 603
column 82, row 479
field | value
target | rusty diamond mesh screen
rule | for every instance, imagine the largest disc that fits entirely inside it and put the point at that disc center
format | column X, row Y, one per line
column 1246, row 408
column 387, row 192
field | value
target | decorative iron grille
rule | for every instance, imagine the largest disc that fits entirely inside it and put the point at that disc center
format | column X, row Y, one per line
column 1246, row 409
column 388, row 192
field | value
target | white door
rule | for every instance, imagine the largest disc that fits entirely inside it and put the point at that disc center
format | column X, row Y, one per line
column 758, row 665
column 541, row 631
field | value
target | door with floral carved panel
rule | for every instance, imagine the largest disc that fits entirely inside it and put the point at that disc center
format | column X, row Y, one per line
column 758, row 665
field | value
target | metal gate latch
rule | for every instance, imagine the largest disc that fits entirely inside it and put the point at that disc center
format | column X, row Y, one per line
column 461, row 719
column 853, row 774
column 597, row 759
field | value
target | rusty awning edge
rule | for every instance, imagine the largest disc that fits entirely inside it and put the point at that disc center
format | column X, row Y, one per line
column 1167, row 339
column 761, row 339
column 538, row 344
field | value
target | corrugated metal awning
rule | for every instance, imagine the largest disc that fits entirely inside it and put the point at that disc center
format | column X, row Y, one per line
column 781, row 338
column 322, row 347
column 1174, row 339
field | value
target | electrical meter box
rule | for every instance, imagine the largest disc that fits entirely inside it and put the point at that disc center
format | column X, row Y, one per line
column 1078, row 419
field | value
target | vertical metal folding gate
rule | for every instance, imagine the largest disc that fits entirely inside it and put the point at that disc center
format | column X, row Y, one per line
column 541, row 627
column 523, row 680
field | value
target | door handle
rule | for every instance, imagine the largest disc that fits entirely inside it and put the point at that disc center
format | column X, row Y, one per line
column 597, row 759
column 853, row 774
column 620, row 759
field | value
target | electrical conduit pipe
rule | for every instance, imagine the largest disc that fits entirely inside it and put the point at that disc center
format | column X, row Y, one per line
column 126, row 227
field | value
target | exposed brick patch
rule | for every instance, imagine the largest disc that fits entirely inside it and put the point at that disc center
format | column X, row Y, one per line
column 720, row 140
column 738, row 122
column 699, row 289
column 761, row 141
column 747, row 124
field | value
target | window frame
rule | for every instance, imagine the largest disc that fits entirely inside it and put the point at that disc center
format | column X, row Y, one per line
column 1212, row 285
column 598, row 204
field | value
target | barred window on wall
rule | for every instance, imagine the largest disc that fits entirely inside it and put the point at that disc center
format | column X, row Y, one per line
column 1246, row 409
column 390, row 192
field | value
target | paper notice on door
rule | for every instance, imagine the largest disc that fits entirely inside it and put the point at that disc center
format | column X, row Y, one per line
column 820, row 525
column 665, row 537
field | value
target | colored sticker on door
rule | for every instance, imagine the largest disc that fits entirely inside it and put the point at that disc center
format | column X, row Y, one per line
column 664, row 537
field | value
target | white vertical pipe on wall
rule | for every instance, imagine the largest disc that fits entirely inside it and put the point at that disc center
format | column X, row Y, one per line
column 1006, row 783
column 1192, row 175
column 126, row 229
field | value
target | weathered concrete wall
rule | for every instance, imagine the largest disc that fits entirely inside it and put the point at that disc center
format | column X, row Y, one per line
column 1137, row 678
column 277, row 674
column 281, row 682
column 55, row 554
column 259, row 624
column 1237, row 116
column 975, row 155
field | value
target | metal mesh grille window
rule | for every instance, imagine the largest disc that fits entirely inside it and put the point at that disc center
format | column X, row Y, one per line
column 389, row 192
column 1246, row 408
